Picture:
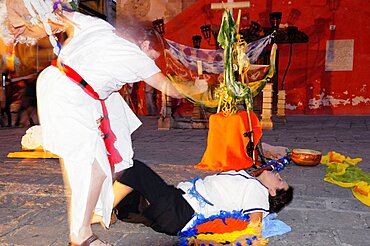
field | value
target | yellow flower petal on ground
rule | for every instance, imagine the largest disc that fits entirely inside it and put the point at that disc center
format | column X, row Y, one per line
column 342, row 171
column 362, row 192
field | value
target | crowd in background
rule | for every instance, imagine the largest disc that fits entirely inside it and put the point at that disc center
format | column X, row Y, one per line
column 18, row 102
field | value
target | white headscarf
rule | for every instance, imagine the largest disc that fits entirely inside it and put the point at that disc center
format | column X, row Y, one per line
column 40, row 11
column 4, row 32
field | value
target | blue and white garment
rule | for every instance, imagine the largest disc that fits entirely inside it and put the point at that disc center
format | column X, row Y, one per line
column 226, row 191
column 212, row 60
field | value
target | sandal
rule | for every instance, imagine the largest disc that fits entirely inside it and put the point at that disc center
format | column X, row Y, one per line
column 87, row 242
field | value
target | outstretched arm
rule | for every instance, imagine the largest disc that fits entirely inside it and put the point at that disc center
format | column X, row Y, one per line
column 255, row 217
column 163, row 84
column 256, row 223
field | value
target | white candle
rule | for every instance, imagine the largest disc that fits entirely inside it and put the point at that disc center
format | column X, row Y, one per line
column 200, row 69
column 238, row 20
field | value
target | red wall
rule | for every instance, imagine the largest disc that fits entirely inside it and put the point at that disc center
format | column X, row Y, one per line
column 310, row 89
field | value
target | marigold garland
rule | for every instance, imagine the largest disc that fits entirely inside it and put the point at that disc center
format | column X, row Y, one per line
column 225, row 227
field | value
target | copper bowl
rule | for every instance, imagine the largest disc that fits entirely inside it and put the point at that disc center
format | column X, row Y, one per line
column 306, row 157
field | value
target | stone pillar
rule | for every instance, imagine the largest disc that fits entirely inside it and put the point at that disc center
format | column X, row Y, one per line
column 199, row 118
column 281, row 104
column 165, row 120
column 266, row 122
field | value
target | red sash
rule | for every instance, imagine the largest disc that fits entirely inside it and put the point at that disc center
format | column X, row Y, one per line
column 114, row 156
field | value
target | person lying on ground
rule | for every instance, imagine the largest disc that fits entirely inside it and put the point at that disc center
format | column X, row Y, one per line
column 142, row 196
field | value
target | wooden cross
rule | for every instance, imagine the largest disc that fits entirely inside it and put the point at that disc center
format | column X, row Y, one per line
column 231, row 5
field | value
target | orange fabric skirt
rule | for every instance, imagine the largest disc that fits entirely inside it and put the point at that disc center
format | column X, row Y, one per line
column 226, row 146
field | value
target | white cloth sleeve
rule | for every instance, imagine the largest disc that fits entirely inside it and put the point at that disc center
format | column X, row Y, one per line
column 126, row 62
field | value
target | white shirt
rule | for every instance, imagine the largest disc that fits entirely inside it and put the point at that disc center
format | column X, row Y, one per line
column 226, row 191
column 106, row 62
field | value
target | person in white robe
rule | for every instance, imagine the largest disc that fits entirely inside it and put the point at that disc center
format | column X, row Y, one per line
column 69, row 117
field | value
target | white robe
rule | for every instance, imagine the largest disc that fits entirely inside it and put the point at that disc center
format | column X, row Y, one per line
column 68, row 115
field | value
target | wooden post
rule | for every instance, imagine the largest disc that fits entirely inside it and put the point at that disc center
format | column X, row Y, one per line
column 266, row 122
column 231, row 5
column 165, row 118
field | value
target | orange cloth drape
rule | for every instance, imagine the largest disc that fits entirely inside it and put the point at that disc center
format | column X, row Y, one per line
column 226, row 146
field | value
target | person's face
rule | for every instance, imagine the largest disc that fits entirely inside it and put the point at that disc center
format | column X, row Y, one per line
column 275, row 182
column 148, row 50
column 153, row 54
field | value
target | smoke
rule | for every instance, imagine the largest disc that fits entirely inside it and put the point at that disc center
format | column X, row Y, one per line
column 131, row 28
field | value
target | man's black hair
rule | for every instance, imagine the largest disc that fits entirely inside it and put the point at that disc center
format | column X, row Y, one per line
column 281, row 199
column 139, row 31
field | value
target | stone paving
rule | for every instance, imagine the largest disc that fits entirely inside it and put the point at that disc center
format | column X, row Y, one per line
column 33, row 207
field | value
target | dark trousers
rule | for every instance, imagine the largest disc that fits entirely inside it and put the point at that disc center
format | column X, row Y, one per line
column 153, row 202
